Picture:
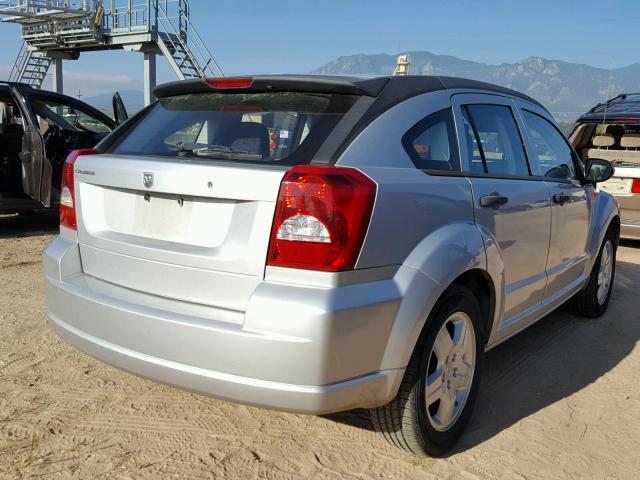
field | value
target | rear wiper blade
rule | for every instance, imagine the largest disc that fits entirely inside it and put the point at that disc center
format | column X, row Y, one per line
column 222, row 150
column 182, row 150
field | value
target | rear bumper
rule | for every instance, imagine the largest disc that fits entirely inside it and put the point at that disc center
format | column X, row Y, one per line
column 300, row 349
column 630, row 213
column 369, row 390
column 630, row 229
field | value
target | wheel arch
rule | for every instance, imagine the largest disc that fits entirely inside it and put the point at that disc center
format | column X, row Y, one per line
column 615, row 223
column 481, row 285
column 455, row 254
column 606, row 215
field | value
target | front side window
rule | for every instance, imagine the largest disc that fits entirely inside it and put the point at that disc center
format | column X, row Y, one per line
column 550, row 148
column 432, row 144
column 495, row 140
column 67, row 117
column 280, row 128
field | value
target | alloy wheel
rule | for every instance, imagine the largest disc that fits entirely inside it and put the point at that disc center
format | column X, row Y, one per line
column 604, row 272
column 450, row 371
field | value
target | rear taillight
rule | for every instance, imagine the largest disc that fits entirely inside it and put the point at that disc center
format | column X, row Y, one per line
column 635, row 186
column 321, row 218
column 67, row 190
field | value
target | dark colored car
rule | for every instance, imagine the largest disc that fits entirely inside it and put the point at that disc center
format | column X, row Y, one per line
column 38, row 129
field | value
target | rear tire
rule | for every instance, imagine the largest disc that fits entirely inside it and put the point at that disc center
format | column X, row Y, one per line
column 440, row 384
column 593, row 300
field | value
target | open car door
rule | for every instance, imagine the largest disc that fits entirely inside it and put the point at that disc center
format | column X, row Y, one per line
column 36, row 169
column 120, row 114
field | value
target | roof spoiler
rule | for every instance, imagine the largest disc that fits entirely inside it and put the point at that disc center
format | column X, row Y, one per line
column 280, row 83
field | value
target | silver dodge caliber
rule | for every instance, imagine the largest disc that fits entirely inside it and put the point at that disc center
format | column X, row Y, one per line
column 317, row 244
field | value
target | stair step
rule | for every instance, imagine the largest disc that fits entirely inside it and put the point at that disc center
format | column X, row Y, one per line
column 182, row 58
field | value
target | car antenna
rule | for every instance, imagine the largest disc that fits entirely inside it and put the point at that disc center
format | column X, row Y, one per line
column 606, row 102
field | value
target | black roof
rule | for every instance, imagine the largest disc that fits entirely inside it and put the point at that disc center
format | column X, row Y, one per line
column 5, row 86
column 625, row 105
column 395, row 88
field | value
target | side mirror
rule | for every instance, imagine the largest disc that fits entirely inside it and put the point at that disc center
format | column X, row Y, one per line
column 597, row 170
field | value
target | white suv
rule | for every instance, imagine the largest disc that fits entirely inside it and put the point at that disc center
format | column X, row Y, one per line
column 611, row 130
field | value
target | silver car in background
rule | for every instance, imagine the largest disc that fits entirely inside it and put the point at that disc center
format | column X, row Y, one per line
column 318, row 244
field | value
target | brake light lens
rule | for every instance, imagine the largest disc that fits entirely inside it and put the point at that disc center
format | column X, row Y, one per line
column 230, row 82
column 635, row 186
column 321, row 218
column 67, row 190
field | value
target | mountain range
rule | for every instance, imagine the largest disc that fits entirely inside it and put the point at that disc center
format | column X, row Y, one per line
column 132, row 99
column 566, row 89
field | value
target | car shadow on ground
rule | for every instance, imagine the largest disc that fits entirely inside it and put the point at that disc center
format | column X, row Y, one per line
column 28, row 224
column 551, row 360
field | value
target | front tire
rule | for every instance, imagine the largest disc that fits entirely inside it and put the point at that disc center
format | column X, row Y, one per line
column 593, row 300
column 440, row 385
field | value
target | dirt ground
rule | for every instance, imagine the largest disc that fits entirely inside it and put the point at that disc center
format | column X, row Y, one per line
column 561, row 400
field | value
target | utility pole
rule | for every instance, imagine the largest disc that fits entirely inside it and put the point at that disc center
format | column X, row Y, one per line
column 79, row 95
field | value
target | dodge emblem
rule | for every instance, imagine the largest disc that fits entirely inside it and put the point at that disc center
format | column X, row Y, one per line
column 147, row 179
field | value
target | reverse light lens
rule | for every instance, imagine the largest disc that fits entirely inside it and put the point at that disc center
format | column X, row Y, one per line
column 67, row 190
column 66, row 197
column 303, row 228
column 321, row 218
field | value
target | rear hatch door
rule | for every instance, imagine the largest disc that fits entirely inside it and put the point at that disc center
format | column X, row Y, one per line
column 197, row 233
column 181, row 207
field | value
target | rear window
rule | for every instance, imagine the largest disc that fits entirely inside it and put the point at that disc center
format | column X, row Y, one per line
column 616, row 135
column 278, row 128
column 616, row 142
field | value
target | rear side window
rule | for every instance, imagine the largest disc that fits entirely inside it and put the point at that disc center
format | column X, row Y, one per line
column 496, row 141
column 278, row 128
column 432, row 143
column 552, row 150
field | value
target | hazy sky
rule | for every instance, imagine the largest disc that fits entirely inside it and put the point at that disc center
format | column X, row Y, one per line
column 271, row 36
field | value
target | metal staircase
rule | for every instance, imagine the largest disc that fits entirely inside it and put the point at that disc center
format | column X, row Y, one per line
column 30, row 67
column 181, row 44
column 62, row 29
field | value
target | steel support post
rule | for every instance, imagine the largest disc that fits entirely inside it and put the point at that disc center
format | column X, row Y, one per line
column 149, row 77
column 56, row 75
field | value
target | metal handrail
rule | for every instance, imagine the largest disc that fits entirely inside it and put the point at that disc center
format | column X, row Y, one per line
column 75, row 23
column 184, row 25
column 18, row 66
column 31, row 7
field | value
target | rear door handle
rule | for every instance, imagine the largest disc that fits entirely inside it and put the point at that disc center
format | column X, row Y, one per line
column 560, row 198
column 494, row 200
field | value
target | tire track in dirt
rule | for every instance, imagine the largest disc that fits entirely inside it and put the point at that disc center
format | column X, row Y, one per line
column 547, row 408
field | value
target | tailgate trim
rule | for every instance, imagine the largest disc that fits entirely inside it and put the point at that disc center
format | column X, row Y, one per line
column 229, row 291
